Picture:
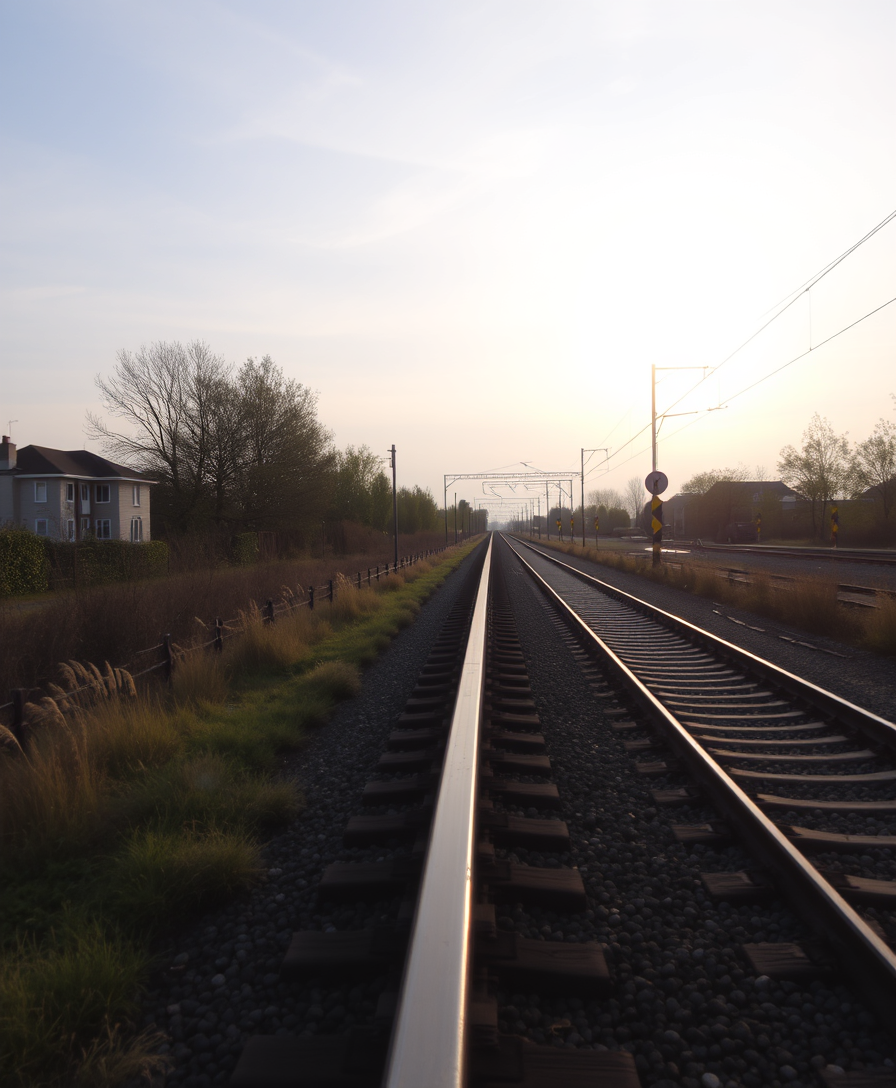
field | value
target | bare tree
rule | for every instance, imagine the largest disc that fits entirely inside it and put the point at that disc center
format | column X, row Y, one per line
column 874, row 464
column 821, row 470
column 166, row 394
column 238, row 450
column 703, row 481
column 634, row 498
column 607, row 497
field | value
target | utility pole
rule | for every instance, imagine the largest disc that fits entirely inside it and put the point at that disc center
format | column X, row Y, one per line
column 455, row 517
column 600, row 449
column 394, row 506
column 656, row 505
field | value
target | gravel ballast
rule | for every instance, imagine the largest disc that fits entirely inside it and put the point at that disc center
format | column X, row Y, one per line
column 220, row 982
column 687, row 1004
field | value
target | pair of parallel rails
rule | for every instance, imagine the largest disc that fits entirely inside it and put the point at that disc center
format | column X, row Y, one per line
column 701, row 694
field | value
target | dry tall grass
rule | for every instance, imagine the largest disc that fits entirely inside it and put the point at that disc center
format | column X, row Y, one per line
column 114, row 622
column 809, row 604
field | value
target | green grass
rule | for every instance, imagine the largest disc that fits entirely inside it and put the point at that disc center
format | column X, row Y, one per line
column 65, row 1008
column 131, row 815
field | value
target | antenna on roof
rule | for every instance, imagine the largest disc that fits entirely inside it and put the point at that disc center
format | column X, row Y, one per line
column 10, row 426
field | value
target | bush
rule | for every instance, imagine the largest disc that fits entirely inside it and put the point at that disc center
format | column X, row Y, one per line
column 98, row 562
column 245, row 549
column 23, row 566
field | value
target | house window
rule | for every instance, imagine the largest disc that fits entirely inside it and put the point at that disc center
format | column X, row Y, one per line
column 40, row 525
column 85, row 492
column 102, row 492
column 136, row 491
column 40, row 492
column 85, row 526
column 70, row 529
column 136, row 530
column 69, row 492
column 103, row 529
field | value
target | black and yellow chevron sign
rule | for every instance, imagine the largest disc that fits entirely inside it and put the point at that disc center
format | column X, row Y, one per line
column 656, row 520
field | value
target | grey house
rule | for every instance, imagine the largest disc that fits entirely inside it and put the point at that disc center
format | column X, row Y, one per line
column 72, row 494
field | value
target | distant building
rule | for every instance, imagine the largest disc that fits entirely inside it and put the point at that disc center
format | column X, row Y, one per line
column 72, row 494
column 727, row 512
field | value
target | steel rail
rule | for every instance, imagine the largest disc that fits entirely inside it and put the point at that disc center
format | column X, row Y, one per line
column 863, row 955
column 872, row 725
column 428, row 1048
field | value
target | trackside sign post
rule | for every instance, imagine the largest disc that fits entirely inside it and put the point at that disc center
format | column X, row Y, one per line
column 656, row 483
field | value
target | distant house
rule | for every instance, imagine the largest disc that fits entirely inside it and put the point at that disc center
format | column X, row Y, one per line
column 729, row 509
column 72, row 494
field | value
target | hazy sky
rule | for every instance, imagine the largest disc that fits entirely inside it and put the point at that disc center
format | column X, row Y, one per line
column 471, row 226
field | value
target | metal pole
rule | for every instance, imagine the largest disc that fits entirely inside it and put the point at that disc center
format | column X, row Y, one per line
column 455, row 517
column 547, row 510
column 445, row 501
column 583, row 498
column 394, row 506
column 657, row 547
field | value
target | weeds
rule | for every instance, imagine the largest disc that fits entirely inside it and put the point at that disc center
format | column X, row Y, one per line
column 63, row 1005
column 132, row 812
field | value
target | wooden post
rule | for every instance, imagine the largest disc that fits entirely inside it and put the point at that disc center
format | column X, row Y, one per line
column 269, row 612
column 167, row 658
column 359, row 581
column 219, row 635
column 311, row 597
column 331, row 591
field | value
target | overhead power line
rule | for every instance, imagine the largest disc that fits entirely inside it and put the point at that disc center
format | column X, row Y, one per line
column 780, row 308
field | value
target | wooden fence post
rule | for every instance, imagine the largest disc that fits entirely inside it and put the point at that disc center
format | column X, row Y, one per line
column 167, row 658
column 359, row 581
column 331, row 591
column 269, row 612
column 311, row 597
column 219, row 635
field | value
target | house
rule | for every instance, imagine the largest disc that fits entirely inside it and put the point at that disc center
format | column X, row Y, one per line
column 72, row 494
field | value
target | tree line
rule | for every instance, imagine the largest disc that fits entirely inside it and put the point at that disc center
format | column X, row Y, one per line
column 825, row 468
column 238, row 449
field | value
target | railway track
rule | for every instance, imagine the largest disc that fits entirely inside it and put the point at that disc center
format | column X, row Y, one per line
column 767, row 747
column 484, row 917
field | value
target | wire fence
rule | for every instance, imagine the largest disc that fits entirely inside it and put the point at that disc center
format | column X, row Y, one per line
column 20, row 722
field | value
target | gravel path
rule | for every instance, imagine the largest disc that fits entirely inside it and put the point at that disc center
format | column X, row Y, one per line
column 867, row 679
column 687, row 1003
column 220, row 980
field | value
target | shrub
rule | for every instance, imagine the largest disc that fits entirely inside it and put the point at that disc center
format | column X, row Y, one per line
column 245, row 549
column 23, row 566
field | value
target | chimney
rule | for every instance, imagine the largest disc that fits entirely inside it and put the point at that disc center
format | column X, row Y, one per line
column 7, row 453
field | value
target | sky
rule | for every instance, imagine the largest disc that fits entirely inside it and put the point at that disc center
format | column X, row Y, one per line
column 470, row 227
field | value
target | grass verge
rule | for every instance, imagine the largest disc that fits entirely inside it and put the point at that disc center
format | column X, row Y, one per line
column 126, row 816
column 810, row 604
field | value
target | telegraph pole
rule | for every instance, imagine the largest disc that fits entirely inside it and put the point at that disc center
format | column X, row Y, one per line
column 394, row 506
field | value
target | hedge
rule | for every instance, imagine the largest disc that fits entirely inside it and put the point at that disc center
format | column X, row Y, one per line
column 23, row 563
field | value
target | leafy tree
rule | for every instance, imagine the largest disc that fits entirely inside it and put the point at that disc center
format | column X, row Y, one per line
column 418, row 512
column 361, row 489
column 821, row 470
column 874, row 464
